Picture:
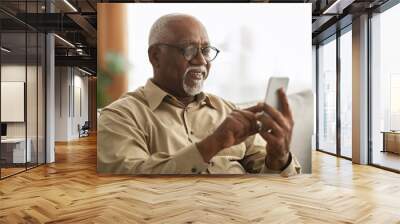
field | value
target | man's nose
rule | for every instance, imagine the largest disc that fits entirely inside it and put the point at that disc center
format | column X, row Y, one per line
column 199, row 59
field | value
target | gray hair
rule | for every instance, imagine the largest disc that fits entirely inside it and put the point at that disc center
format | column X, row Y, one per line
column 160, row 31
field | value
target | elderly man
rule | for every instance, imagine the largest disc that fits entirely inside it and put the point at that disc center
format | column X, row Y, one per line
column 170, row 126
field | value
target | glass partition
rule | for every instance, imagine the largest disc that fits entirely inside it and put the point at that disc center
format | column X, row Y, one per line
column 14, row 154
column 22, row 90
column 327, row 96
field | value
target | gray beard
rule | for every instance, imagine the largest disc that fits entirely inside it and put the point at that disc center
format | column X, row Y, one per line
column 192, row 90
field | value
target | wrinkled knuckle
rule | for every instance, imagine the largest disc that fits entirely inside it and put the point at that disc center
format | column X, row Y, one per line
column 288, row 126
column 287, row 129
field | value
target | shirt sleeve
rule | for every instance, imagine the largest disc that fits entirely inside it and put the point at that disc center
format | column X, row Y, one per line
column 254, row 159
column 122, row 149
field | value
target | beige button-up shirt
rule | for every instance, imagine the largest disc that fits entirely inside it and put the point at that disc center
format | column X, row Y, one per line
column 149, row 131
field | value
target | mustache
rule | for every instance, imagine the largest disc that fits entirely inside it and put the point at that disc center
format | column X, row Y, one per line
column 197, row 69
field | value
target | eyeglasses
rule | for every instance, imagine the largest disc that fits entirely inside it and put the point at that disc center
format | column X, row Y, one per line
column 189, row 52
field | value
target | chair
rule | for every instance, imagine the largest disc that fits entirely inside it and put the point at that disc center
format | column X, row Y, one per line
column 84, row 130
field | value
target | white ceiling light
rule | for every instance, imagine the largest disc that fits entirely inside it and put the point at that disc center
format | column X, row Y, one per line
column 79, row 51
column 338, row 6
column 86, row 72
column 5, row 50
column 70, row 5
column 65, row 41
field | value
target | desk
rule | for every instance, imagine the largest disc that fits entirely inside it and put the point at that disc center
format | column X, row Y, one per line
column 13, row 150
column 391, row 141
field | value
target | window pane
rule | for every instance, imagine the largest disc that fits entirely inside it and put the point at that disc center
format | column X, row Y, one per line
column 327, row 97
column 14, row 150
column 346, row 94
column 386, row 88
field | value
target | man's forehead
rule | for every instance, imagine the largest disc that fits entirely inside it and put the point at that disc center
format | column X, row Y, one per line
column 191, row 37
column 192, row 42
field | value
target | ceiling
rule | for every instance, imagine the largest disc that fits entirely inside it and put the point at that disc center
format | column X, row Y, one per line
column 76, row 22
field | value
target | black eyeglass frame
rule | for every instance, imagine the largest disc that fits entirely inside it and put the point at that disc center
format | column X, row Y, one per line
column 183, row 50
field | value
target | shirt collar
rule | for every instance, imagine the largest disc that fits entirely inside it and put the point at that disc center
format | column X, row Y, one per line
column 155, row 95
column 205, row 99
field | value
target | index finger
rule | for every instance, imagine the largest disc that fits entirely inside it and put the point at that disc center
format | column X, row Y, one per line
column 286, row 111
column 255, row 108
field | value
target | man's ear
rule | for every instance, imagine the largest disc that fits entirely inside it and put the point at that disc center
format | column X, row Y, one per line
column 154, row 56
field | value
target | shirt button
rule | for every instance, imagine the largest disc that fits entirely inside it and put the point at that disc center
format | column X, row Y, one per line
column 191, row 132
column 190, row 140
column 194, row 170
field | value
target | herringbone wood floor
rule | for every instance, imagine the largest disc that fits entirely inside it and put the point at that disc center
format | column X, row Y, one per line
column 70, row 191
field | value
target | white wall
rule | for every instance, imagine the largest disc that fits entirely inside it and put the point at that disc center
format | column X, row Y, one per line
column 79, row 117
column 61, row 103
column 12, row 73
column 12, row 101
column 70, row 83
column 33, row 127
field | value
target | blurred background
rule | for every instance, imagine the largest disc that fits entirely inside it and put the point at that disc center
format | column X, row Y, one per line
column 256, row 42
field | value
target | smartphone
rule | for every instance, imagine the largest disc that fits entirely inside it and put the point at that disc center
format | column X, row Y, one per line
column 274, row 84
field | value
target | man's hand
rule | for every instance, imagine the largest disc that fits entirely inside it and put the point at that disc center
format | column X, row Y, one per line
column 277, row 130
column 239, row 125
